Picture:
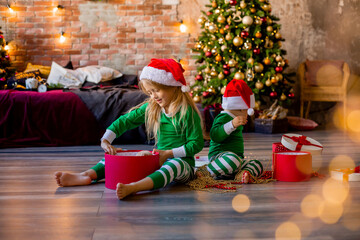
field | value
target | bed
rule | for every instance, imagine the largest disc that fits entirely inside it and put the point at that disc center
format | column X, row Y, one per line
column 77, row 116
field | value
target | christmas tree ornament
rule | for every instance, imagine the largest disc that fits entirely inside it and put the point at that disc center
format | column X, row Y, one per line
column 206, row 94
column 251, row 61
column 211, row 90
column 239, row 75
column 227, row 1
column 197, row 99
column 262, row 1
column 274, row 80
column 268, row 83
column 198, row 46
column 233, row 2
column 268, row 44
column 206, row 49
column 258, row 67
column 223, row 47
column 291, row 95
column 217, row 11
column 249, row 74
column 279, row 44
column 199, row 77
column 279, row 76
column 221, row 76
column 242, row 4
column 278, row 58
column 208, row 54
column 282, row 63
column 207, row 24
column 213, row 37
column 218, row 58
column 269, row 20
column 201, row 20
column 226, row 72
column 214, row 4
column 253, row 10
column 259, row 85
column 282, row 97
column 232, row 63
column 278, row 69
column 273, row 94
column 208, row 13
column 225, row 66
column 257, row 105
column 256, row 51
column 277, row 35
column 207, row 70
column 227, row 27
column 258, row 35
column 263, row 19
column 221, row 19
column 213, row 73
column 221, row 31
column 223, row 90
column 269, row 28
column 221, row 41
column 247, row 45
column 247, row 20
column 258, row 21
column 214, row 51
column 267, row 61
column 212, row 28
column 228, row 37
column 237, row 41
column 266, row 7
column 244, row 34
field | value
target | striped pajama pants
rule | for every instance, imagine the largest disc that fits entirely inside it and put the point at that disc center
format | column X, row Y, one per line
column 174, row 169
column 228, row 163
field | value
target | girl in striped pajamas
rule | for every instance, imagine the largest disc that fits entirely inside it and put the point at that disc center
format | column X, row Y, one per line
column 226, row 153
column 170, row 116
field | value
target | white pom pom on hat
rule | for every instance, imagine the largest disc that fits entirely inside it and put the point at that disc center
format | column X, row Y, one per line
column 165, row 71
column 238, row 95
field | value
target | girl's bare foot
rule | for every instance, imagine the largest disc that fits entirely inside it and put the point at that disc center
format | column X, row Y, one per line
column 243, row 176
column 64, row 179
column 123, row 190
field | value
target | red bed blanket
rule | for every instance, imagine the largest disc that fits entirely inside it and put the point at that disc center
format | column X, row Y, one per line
column 53, row 118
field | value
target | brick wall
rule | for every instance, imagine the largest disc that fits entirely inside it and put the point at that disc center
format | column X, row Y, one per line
column 123, row 34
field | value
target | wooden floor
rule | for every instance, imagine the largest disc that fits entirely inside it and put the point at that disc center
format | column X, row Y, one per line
column 33, row 207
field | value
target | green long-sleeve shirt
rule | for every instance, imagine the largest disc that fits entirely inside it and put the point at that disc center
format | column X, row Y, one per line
column 221, row 141
column 186, row 136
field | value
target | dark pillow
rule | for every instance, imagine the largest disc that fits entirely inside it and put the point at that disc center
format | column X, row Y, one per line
column 69, row 65
column 18, row 81
column 301, row 124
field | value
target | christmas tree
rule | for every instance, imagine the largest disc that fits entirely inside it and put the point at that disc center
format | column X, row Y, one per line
column 240, row 40
column 5, row 63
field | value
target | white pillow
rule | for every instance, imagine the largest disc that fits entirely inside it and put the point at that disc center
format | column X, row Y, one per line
column 65, row 77
column 98, row 74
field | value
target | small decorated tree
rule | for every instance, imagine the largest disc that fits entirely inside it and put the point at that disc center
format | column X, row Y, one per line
column 5, row 63
column 240, row 40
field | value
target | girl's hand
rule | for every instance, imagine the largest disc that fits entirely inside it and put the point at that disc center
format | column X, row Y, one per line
column 163, row 155
column 239, row 120
column 108, row 147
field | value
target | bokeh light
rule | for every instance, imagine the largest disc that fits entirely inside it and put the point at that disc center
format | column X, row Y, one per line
column 241, row 203
column 353, row 121
column 341, row 162
column 288, row 230
column 310, row 205
column 330, row 212
column 335, row 191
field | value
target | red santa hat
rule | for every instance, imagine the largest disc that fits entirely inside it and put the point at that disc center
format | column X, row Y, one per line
column 165, row 71
column 238, row 95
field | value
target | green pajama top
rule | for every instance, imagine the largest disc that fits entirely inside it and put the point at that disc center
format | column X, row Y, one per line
column 221, row 141
column 185, row 136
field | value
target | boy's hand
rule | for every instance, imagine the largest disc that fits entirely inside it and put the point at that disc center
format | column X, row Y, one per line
column 163, row 155
column 239, row 120
column 108, row 147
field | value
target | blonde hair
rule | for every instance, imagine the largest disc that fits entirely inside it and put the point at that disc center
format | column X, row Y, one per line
column 180, row 102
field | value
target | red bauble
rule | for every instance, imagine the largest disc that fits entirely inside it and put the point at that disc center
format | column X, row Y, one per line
column 199, row 77
column 263, row 19
column 208, row 13
column 244, row 34
column 256, row 51
column 208, row 54
column 206, row 94
column 233, row 2
column 227, row 27
column 273, row 94
column 291, row 95
column 225, row 66
column 226, row 72
column 278, row 69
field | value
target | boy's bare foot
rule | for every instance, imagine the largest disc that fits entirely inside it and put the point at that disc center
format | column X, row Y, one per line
column 64, row 179
column 123, row 190
column 243, row 176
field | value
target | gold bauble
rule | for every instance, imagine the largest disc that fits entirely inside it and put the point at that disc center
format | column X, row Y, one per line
column 213, row 51
column 283, row 97
column 279, row 76
column 198, row 46
column 249, row 74
column 253, row 10
column 257, row 105
column 251, row 61
column 239, row 75
column 223, row 47
column 228, row 37
column 237, row 41
column 258, row 35
column 212, row 28
column 268, row 28
column 197, row 99
column 266, row 7
column 274, row 80
column 207, row 24
column 207, row 70
column 221, row 31
column 205, row 49
column 278, row 58
column 258, row 67
column 218, row 58
column 261, row 0
column 277, row 35
column 213, row 73
column 221, row 40
column 247, row 45
column 268, row 83
column 267, row 61
column 282, row 63
column 201, row 20
column 221, row 76
column 232, row 63
column 221, row 19
column 279, row 43
column 247, row 20
column 242, row 4
column 229, row 20
column 258, row 21
column 211, row 90
column 259, row 85
column 217, row 11
column 269, row 21
column 214, row 4
column 223, row 90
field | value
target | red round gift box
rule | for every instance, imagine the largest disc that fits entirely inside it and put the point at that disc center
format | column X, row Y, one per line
column 128, row 169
